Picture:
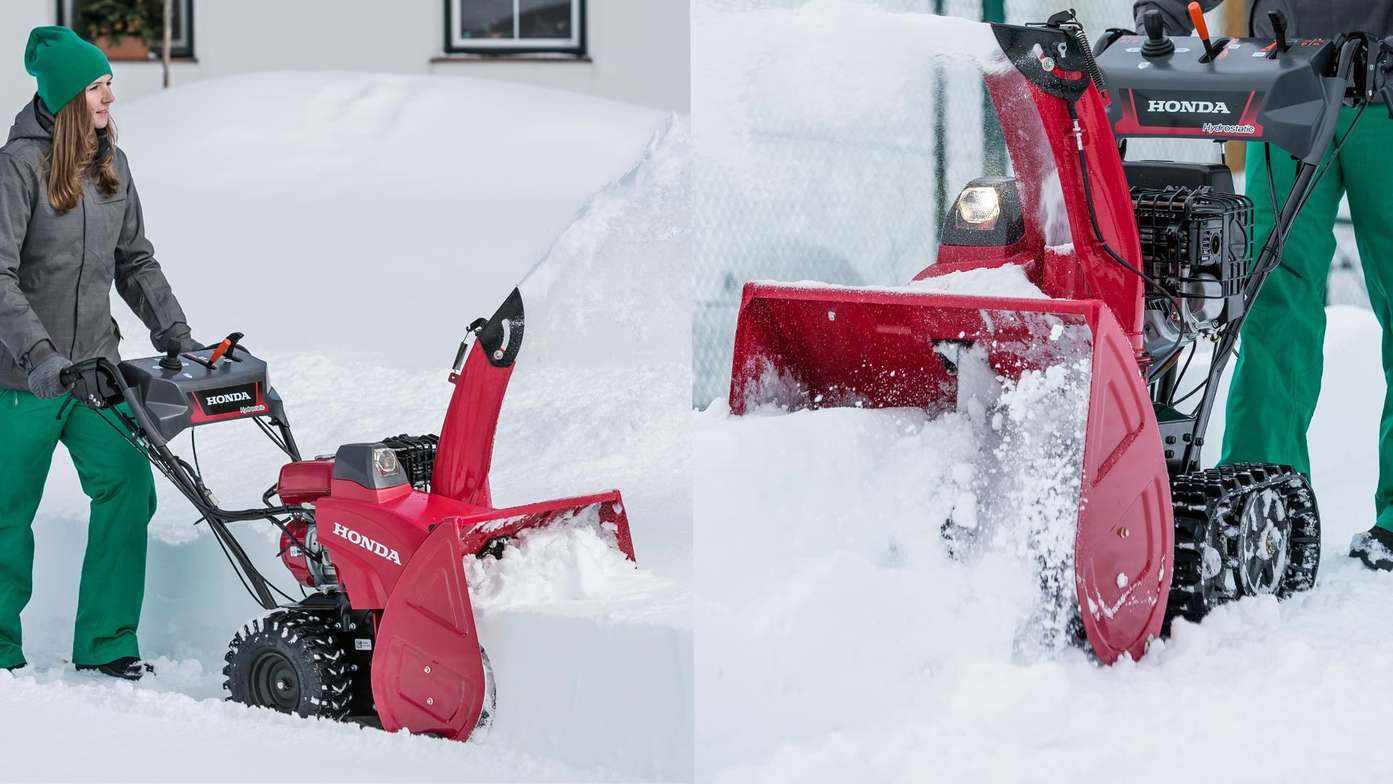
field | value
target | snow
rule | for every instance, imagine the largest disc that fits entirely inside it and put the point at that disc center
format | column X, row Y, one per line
column 352, row 226
column 880, row 658
column 1008, row 280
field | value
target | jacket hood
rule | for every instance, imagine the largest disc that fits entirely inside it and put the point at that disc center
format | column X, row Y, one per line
column 34, row 121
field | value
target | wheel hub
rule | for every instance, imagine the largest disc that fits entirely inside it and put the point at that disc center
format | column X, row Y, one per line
column 1262, row 539
column 274, row 682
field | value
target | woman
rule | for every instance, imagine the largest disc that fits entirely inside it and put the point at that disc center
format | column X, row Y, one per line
column 70, row 226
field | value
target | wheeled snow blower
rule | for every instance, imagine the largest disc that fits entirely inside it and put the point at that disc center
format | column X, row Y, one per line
column 1157, row 256
column 379, row 532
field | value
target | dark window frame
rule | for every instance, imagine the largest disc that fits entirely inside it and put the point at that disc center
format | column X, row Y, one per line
column 177, row 51
column 508, row 47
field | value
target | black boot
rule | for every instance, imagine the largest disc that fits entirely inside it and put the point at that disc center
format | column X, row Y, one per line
column 1375, row 548
column 127, row 667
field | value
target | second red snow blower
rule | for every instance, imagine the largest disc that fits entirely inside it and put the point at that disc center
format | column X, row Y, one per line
column 379, row 531
column 1157, row 256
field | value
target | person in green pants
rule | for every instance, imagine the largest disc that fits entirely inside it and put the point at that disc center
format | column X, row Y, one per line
column 1277, row 376
column 1276, row 379
column 70, row 227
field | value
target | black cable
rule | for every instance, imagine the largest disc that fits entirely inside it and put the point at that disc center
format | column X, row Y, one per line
column 193, row 443
column 1098, row 231
column 1181, row 375
column 236, row 570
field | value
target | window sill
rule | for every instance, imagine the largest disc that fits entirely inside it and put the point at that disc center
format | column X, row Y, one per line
column 512, row 57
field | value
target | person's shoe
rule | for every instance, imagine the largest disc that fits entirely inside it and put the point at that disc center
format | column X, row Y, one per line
column 127, row 668
column 1374, row 547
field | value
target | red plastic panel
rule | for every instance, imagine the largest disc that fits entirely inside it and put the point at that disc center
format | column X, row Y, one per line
column 829, row 346
column 292, row 555
column 1125, row 537
column 427, row 672
column 304, row 481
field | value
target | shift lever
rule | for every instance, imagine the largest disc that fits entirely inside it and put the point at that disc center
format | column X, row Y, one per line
column 1279, row 30
column 1202, row 30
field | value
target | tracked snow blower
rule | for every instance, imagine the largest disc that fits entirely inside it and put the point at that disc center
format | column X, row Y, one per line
column 378, row 533
column 1156, row 258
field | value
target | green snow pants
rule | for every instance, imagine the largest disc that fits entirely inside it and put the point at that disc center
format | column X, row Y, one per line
column 1277, row 376
column 118, row 480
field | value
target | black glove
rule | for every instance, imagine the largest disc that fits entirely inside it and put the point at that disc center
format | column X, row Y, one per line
column 43, row 375
column 175, row 338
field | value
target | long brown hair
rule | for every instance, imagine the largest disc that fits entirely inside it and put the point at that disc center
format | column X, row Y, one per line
column 74, row 155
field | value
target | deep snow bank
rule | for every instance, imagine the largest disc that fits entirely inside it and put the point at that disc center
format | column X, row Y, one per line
column 879, row 658
column 593, row 684
column 359, row 213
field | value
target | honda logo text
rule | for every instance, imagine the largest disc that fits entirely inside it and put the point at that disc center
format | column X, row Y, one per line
column 376, row 548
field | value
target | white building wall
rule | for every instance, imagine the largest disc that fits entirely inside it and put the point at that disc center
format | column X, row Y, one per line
column 639, row 50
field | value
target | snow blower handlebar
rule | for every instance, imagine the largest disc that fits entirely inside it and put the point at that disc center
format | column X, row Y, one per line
column 102, row 386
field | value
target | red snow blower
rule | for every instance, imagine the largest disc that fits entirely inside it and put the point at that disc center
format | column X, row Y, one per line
column 1157, row 257
column 379, row 531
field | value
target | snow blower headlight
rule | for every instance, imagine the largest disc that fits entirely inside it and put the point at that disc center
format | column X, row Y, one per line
column 986, row 213
column 384, row 461
column 979, row 206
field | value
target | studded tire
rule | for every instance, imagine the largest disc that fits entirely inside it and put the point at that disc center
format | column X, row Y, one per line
column 289, row 661
column 1241, row 530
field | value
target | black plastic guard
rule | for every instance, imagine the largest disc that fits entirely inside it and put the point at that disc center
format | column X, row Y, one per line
column 501, row 337
column 1049, row 58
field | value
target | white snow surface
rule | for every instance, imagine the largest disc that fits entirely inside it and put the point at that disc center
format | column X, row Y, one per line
column 840, row 642
column 1008, row 280
column 352, row 226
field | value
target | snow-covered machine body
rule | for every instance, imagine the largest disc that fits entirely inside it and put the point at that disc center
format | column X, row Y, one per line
column 379, row 531
column 1155, row 257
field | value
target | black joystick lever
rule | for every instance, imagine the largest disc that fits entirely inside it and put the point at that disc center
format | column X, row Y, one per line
column 1279, row 31
column 170, row 360
column 1157, row 44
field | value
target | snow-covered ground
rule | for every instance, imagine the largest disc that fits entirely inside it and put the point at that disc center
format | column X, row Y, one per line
column 352, row 226
column 879, row 658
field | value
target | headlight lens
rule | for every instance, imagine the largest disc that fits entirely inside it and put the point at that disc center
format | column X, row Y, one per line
column 385, row 461
column 979, row 207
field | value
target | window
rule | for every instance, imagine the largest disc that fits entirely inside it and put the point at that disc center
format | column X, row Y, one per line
column 515, row 26
column 99, row 20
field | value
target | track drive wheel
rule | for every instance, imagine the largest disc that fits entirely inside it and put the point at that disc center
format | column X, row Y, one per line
column 1241, row 530
column 289, row 661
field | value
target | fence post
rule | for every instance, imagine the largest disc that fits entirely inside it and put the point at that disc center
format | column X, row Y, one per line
column 993, row 139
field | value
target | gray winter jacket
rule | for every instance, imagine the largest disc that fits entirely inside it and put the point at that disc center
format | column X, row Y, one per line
column 1305, row 18
column 56, row 271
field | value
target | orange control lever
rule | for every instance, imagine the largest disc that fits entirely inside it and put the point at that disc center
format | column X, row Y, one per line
column 1202, row 29
column 220, row 351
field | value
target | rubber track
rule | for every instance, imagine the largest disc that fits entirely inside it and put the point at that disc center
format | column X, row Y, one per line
column 1208, row 505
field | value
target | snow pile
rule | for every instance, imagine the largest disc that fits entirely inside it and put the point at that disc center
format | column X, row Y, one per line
column 374, row 219
column 1008, row 280
column 569, row 561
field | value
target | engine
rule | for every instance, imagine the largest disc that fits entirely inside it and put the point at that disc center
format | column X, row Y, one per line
column 1196, row 241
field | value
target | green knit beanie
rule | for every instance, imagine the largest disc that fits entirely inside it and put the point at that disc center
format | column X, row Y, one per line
column 63, row 63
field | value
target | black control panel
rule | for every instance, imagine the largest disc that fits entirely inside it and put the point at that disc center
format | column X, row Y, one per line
column 1240, row 88
column 200, row 391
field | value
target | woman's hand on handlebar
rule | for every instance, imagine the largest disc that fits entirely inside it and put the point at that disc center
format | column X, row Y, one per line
column 45, row 375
